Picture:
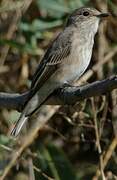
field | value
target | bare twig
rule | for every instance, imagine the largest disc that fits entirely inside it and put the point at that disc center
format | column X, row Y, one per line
column 98, row 140
column 42, row 173
column 102, row 40
column 107, row 156
column 114, row 111
column 31, row 169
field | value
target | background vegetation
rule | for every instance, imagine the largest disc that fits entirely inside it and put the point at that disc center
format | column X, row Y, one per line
column 78, row 140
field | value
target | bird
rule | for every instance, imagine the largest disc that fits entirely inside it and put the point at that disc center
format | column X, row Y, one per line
column 66, row 58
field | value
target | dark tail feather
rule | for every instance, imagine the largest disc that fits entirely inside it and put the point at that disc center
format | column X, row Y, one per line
column 19, row 124
column 33, row 105
column 30, row 106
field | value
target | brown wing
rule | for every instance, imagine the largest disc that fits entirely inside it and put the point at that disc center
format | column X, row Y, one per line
column 58, row 56
column 57, row 51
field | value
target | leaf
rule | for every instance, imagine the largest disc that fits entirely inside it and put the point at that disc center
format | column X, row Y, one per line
column 13, row 116
column 39, row 25
column 4, row 139
column 60, row 166
column 27, row 47
column 55, row 8
column 52, row 161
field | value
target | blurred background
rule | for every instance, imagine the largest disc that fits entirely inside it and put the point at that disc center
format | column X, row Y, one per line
column 67, row 147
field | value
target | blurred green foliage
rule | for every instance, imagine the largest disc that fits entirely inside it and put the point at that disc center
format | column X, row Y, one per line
column 54, row 162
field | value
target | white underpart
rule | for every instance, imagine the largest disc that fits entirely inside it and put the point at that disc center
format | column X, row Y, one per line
column 81, row 52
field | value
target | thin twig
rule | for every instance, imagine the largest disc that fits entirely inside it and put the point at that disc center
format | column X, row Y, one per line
column 42, row 173
column 6, row 148
column 31, row 169
column 107, row 156
column 98, row 139
column 104, row 115
column 102, row 40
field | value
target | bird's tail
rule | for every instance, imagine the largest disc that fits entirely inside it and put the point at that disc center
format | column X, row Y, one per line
column 28, row 109
column 19, row 124
column 32, row 105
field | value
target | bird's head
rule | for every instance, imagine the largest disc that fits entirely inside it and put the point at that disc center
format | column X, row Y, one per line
column 86, row 18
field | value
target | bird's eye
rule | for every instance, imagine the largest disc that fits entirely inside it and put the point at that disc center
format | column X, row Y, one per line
column 86, row 13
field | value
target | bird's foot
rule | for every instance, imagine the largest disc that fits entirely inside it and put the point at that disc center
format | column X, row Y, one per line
column 67, row 85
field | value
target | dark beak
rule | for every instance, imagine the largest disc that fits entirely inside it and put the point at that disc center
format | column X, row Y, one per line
column 101, row 15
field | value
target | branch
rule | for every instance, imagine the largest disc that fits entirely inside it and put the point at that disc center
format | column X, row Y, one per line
column 67, row 95
column 13, row 101
column 71, row 95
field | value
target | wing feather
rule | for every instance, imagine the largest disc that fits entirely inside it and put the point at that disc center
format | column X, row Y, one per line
column 58, row 56
column 55, row 54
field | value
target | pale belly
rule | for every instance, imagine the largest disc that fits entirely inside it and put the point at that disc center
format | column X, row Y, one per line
column 74, row 67
column 79, row 59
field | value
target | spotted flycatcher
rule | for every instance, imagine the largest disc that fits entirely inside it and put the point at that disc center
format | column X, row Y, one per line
column 66, row 59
